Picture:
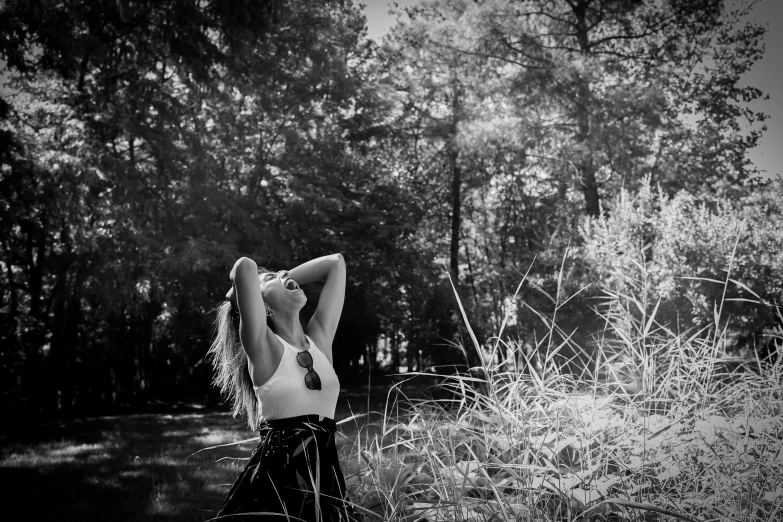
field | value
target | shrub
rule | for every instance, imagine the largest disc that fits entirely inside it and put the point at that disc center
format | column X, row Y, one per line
column 692, row 256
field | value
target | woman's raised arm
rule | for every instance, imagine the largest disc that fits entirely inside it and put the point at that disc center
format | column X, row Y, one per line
column 330, row 269
column 247, row 296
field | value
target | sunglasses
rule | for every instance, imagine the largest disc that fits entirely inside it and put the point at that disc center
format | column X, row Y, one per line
column 312, row 380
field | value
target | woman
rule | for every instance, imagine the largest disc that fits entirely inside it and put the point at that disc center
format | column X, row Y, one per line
column 280, row 376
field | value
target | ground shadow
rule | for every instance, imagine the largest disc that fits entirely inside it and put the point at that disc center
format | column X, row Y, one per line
column 151, row 466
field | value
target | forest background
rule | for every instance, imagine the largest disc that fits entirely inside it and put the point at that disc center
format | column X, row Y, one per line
column 145, row 146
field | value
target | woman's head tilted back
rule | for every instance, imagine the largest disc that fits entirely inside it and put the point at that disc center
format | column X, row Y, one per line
column 281, row 293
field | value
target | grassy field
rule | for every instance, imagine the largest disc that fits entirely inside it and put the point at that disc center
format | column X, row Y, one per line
column 657, row 426
column 532, row 446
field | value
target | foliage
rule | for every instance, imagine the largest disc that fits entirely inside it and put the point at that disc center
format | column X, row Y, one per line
column 615, row 87
column 684, row 257
column 660, row 425
column 515, row 119
column 144, row 146
column 149, row 145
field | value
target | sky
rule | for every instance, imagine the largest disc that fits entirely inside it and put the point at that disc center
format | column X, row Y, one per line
column 766, row 74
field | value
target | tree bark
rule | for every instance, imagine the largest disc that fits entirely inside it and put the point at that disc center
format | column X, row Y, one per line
column 456, row 218
column 585, row 165
column 456, row 189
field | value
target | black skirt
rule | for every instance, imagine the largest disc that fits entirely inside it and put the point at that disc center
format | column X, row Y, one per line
column 294, row 472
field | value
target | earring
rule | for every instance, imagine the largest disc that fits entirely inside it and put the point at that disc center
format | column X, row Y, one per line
column 269, row 311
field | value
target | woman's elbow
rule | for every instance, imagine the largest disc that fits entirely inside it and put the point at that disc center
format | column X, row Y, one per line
column 244, row 265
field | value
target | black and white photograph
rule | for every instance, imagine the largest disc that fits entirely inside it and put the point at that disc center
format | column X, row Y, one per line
column 391, row 260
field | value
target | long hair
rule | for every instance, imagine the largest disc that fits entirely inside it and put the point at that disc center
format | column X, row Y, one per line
column 230, row 365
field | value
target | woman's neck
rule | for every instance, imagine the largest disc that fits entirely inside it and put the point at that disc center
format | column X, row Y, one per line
column 290, row 329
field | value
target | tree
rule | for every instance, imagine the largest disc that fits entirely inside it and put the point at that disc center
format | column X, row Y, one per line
column 561, row 103
column 616, row 78
column 195, row 133
column 449, row 147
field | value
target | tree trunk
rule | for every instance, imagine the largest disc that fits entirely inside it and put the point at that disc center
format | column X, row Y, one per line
column 456, row 201
column 456, row 184
column 152, row 310
column 410, row 357
column 585, row 165
column 589, row 187
column 33, row 335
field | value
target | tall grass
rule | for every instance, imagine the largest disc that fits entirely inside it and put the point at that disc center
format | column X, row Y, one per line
column 658, row 425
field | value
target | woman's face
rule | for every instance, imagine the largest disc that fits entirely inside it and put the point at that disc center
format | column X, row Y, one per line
column 281, row 292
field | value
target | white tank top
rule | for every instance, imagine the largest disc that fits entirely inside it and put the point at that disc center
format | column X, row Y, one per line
column 285, row 395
